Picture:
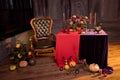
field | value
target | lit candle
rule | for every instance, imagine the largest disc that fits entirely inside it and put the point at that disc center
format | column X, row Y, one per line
column 94, row 19
column 90, row 22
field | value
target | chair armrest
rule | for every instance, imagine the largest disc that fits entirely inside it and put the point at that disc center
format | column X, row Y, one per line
column 52, row 37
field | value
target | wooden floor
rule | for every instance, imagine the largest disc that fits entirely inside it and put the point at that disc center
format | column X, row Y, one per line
column 46, row 69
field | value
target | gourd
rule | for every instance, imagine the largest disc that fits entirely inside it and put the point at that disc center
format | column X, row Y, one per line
column 66, row 66
column 94, row 67
column 23, row 63
column 32, row 62
column 12, row 67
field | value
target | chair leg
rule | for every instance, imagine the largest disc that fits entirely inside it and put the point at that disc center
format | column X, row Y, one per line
column 39, row 53
column 53, row 52
column 36, row 54
column 33, row 55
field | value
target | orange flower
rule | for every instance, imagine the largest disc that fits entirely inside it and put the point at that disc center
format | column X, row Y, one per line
column 71, row 23
column 86, row 17
column 18, row 45
column 19, row 55
column 81, row 22
column 29, row 53
column 74, row 16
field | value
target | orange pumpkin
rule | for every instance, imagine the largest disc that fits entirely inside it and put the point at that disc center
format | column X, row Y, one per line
column 72, row 63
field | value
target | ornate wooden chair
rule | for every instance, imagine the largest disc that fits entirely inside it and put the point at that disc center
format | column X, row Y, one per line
column 43, row 41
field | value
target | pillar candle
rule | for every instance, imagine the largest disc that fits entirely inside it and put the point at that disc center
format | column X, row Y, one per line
column 94, row 19
column 90, row 21
column 63, row 17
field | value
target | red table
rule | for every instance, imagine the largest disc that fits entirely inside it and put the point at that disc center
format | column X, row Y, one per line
column 67, row 45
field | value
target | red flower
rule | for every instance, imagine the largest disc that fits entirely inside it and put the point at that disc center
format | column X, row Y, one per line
column 77, row 17
column 24, row 48
column 29, row 56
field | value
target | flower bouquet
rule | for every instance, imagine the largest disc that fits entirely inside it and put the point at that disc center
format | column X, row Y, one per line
column 21, row 54
column 76, row 22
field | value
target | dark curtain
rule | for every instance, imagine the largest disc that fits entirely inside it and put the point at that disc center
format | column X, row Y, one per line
column 15, row 17
column 20, row 12
column 40, row 7
column 66, row 8
column 45, row 7
column 95, row 7
column 59, row 9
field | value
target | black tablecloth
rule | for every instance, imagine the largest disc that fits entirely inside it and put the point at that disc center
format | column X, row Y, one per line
column 94, row 48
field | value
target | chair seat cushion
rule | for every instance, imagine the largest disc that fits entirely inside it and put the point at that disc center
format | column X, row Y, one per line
column 43, row 44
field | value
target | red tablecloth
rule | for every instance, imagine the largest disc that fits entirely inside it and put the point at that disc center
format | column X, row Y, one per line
column 67, row 45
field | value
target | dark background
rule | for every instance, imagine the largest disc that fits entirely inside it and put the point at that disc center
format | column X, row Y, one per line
column 14, row 17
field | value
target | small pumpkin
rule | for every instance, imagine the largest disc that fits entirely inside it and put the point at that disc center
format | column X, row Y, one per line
column 23, row 63
column 32, row 62
column 66, row 66
column 94, row 67
column 12, row 67
column 72, row 63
